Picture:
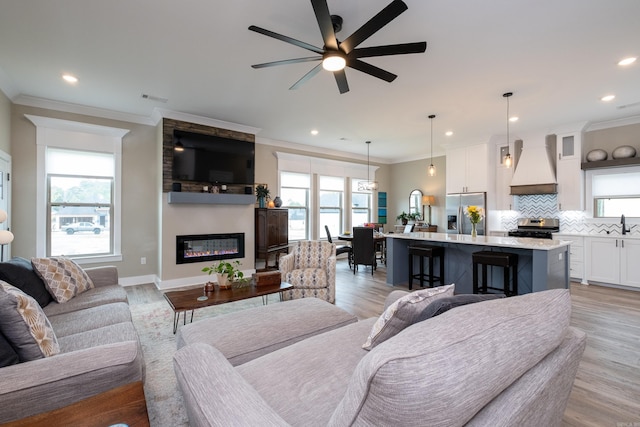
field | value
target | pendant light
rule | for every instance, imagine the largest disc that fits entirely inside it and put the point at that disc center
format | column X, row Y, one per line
column 368, row 185
column 432, row 168
column 507, row 157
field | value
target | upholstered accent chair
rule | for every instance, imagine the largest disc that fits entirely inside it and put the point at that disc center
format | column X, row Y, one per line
column 311, row 269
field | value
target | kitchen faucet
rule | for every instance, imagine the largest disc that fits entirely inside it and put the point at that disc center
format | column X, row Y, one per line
column 625, row 230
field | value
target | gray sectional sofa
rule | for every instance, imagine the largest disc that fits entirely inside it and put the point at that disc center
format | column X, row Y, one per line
column 502, row 362
column 100, row 354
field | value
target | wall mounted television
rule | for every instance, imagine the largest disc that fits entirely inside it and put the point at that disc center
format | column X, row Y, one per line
column 213, row 159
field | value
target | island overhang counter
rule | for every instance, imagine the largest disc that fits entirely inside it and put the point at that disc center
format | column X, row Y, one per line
column 542, row 263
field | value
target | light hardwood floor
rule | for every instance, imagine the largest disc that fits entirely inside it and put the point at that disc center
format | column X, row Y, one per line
column 606, row 391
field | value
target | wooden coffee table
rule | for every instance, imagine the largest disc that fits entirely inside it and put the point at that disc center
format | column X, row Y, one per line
column 192, row 299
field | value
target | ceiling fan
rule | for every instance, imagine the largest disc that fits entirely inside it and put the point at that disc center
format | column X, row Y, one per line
column 335, row 54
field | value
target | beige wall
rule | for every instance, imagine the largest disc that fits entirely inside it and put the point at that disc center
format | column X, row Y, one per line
column 610, row 139
column 5, row 123
column 140, row 184
column 408, row 176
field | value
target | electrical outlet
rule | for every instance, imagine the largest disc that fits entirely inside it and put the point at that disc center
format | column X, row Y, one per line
column 143, row 260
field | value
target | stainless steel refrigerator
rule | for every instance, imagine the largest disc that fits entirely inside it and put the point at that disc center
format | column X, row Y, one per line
column 457, row 220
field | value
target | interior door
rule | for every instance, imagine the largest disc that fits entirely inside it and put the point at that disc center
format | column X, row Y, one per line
column 5, row 199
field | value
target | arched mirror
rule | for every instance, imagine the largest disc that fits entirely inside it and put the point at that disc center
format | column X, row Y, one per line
column 415, row 202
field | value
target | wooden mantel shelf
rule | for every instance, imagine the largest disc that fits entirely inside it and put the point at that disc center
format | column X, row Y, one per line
column 176, row 197
column 613, row 163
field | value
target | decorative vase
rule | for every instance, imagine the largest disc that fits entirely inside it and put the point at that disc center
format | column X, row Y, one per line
column 261, row 202
column 277, row 201
column 223, row 281
column 474, row 232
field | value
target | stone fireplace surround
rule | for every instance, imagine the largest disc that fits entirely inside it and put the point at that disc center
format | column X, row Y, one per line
column 197, row 218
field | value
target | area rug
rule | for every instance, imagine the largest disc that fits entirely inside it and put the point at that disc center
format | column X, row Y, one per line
column 154, row 325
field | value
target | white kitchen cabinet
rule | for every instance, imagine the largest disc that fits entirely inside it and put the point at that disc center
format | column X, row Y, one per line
column 467, row 169
column 576, row 256
column 504, row 199
column 613, row 260
column 569, row 174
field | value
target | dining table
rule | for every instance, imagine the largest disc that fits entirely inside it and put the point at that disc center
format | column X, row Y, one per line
column 379, row 240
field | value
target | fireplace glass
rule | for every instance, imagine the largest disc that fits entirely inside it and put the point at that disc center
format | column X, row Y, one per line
column 209, row 247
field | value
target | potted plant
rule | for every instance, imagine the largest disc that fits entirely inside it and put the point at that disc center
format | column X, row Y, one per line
column 405, row 217
column 227, row 273
column 262, row 193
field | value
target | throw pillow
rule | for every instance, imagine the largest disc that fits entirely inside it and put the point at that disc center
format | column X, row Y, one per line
column 441, row 305
column 25, row 325
column 19, row 273
column 403, row 313
column 63, row 277
column 8, row 355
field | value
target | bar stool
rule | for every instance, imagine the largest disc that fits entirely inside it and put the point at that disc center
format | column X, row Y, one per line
column 426, row 251
column 506, row 260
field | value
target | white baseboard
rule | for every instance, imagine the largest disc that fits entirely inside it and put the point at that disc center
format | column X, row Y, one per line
column 137, row 280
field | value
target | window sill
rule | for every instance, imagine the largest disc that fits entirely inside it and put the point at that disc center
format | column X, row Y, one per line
column 97, row 259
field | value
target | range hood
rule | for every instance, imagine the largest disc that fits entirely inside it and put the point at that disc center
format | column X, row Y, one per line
column 535, row 170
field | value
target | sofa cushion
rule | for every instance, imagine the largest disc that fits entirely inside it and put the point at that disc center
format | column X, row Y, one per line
column 8, row 355
column 305, row 381
column 19, row 273
column 441, row 305
column 90, row 318
column 475, row 351
column 63, row 277
column 247, row 334
column 404, row 312
column 110, row 334
column 95, row 297
column 25, row 325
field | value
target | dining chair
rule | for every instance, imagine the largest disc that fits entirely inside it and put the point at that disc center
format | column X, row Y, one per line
column 364, row 249
column 342, row 249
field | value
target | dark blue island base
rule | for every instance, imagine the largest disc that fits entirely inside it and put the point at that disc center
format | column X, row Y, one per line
column 542, row 264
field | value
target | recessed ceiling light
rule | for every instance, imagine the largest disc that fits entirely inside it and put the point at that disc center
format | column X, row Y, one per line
column 607, row 98
column 69, row 78
column 448, row 133
column 314, row 132
column 627, row 61
column 514, row 119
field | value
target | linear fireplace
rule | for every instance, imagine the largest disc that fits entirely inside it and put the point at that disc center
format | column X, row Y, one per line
column 209, row 247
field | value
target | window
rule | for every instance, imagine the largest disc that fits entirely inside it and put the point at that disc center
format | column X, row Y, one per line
column 78, row 190
column 615, row 192
column 80, row 202
column 360, row 205
column 331, row 202
column 294, row 192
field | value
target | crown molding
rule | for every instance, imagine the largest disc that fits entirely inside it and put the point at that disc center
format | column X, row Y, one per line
column 161, row 113
column 31, row 101
column 606, row 124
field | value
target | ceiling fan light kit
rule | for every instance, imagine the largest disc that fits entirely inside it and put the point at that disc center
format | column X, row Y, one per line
column 336, row 55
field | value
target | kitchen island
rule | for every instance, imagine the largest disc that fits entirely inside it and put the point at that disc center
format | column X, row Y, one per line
column 542, row 263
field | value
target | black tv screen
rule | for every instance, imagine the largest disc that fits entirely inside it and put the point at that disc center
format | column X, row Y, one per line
column 213, row 159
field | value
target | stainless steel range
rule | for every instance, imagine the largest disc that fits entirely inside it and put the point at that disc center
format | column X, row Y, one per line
column 540, row 228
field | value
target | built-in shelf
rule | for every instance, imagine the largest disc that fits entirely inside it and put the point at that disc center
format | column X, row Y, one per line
column 174, row 197
column 630, row 161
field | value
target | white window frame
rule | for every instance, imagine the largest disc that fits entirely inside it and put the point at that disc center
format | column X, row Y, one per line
column 321, row 231
column 590, row 198
column 369, row 208
column 82, row 137
column 306, row 207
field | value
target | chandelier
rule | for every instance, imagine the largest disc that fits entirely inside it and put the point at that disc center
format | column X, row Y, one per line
column 367, row 185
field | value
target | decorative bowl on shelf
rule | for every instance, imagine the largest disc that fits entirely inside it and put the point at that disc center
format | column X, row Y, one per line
column 597, row 155
column 623, row 152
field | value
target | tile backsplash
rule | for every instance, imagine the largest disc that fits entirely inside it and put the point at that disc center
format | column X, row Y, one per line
column 546, row 206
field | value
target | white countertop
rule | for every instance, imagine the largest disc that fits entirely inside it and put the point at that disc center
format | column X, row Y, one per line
column 465, row 239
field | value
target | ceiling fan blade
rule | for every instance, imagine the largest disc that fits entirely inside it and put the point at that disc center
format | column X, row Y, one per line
column 372, row 70
column 385, row 16
column 392, row 49
column 315, row 70
column 341, row 80
column 324, row 22
column 287, row 39
column 286, row 62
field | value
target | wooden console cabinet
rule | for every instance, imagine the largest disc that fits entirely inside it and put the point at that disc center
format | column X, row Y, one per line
column 272, row 233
